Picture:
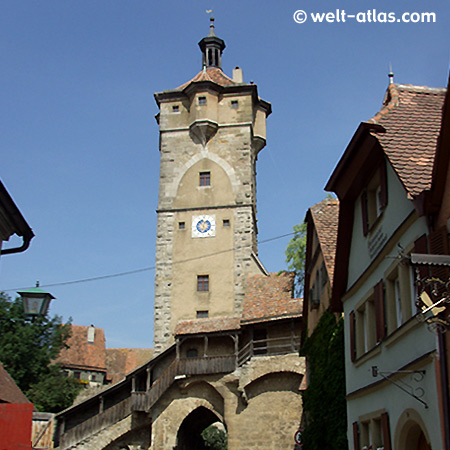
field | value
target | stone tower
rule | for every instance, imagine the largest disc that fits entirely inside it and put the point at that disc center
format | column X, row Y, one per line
column 211, row 131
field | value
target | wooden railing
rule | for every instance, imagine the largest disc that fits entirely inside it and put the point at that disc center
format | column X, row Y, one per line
column 207, row 365
column 268, row 347
column 96, row 423
column 143, row 401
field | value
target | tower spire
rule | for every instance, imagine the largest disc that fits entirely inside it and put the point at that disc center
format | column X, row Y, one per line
column 212, row 47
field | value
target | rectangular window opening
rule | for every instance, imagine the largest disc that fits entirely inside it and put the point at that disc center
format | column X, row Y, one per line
column 205, row 179
column 202, row 314
column 234, row 104
column 203, row 283
column 202, row 100
column 175, row 108
column 226, row 222
column 181, row 225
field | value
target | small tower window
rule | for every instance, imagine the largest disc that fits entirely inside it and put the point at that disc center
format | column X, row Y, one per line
column 203, row 283
column 175, row 108
column 234, row 104
column 191, row 353
column 202, row 314
column 205, row 179
column 210, row 57
column 226, row 222
column 202, row 100
column 181, row 225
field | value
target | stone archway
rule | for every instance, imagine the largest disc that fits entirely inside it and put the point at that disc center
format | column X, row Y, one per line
column 189, row 434
column 411, row 432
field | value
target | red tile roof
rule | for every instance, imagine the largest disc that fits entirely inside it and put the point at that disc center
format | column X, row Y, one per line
column 9, row 391
column 326, row 217
column 83, row 354
column 214, row 75
column 270, row 297
column 213, row 325
column 412, row 118
column 121, row 361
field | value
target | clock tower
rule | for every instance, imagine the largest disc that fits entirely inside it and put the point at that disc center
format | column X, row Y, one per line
column 211, row 131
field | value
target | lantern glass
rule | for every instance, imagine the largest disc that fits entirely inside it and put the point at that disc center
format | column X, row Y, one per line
column 35, row 301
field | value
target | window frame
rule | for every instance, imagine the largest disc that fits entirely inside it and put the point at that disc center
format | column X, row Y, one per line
column 203, row 283
column 204, row 179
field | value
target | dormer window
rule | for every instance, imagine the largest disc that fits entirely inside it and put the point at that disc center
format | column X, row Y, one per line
column 374, row 199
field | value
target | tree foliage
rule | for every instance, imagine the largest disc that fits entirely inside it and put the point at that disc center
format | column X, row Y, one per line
column 215, row 438
column 324, row 399
column 27, row 349
column 295, row 257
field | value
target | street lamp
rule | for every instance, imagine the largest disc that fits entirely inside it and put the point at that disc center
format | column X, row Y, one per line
column 35, row 301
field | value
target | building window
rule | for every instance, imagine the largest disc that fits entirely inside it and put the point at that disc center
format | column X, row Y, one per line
column 202, row 314
column 202, row 100
column 374, row 199
column 203, row 283
column 205, row 179
column 175, row 108
column 181, row 225
column 234, row 104
column 77, row 375
column 226, row 222
column 374, row 432
column 399, row 289
column 367, row 323
column 192, row 353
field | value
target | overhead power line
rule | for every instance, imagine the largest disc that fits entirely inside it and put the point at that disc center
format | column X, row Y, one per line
column 146, row 269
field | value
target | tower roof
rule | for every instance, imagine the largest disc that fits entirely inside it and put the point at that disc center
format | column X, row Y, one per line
column 212, row 48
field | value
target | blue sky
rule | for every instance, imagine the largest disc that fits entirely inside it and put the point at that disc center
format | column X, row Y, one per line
column 79, row 141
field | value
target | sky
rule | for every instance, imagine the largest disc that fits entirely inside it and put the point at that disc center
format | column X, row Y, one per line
column 79, row 142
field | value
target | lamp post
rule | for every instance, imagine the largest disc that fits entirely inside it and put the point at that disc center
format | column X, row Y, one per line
column 35, row 301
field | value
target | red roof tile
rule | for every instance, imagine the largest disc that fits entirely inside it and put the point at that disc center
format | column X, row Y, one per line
column 9, row 391
column 412, row 118
column 270, row 297
column 84, row 354
column 213, row 325
column 121, row 361
column 212, row 74
column 326, row 217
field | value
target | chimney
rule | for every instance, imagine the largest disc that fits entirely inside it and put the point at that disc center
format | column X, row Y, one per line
column 91, row 334
column 238, row 77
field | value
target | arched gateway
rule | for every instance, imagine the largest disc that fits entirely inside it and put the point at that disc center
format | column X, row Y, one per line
column 189, row 434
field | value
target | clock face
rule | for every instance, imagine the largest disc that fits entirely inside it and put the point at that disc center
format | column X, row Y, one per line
column 203, row 226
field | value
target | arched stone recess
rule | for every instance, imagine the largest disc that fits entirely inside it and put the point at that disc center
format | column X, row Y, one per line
column 168, row 422
column 204, row 390
column 204, row 154
column 261, row 366
column 411, row 432
column 139, row 437
column 273, row 382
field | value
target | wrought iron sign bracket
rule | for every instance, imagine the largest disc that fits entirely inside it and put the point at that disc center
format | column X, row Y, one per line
column 417, row 376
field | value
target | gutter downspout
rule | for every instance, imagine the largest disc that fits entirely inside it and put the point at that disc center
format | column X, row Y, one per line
column 22, row 248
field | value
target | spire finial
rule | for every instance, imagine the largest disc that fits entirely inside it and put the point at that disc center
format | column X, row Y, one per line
column 211, row 23
column 391, row 74
column 212, row 46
